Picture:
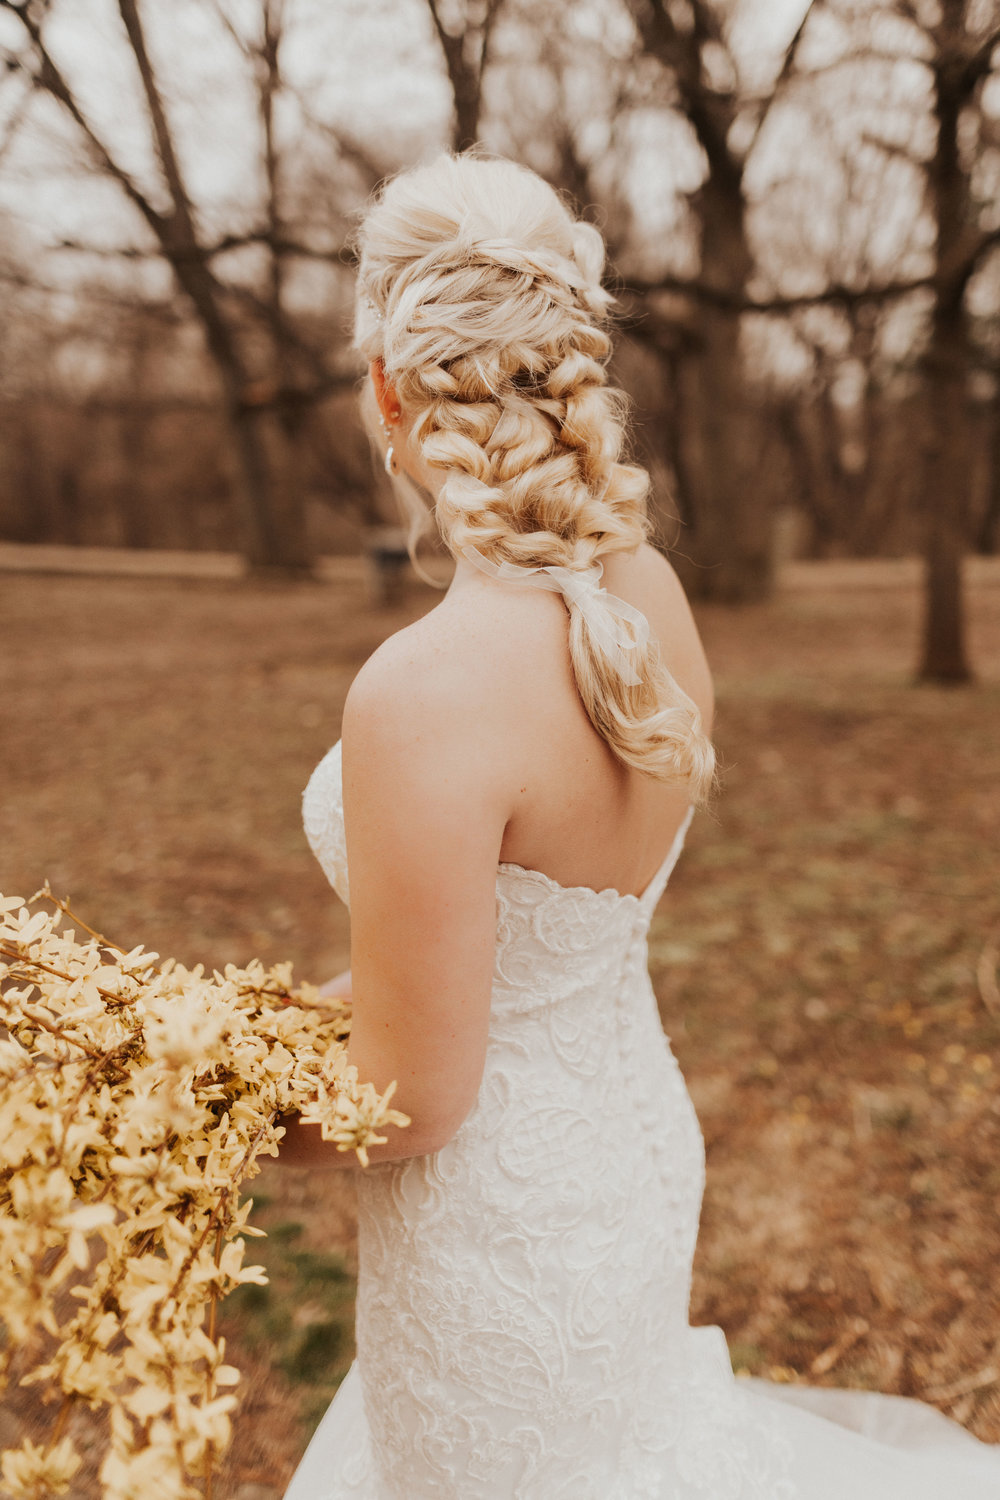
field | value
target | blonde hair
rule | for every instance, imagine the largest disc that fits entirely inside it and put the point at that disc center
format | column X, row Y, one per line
column 482, row 297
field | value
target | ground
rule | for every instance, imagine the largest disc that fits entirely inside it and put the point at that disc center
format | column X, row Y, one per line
column 825, row 956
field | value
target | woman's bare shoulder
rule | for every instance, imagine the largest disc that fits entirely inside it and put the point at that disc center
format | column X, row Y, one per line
column 466, row 664
column 647, row 579
column 646, row 569
column 489, row 655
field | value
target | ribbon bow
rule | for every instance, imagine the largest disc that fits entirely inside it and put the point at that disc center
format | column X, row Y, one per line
column 615, row 626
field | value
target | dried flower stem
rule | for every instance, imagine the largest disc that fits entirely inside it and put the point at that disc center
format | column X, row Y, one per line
column 61, row 904
column 35, row 965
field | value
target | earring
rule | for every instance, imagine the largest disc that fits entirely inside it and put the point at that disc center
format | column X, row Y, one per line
column 391, row 466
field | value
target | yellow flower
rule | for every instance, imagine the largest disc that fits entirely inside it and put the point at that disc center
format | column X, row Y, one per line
column 137, row 1099
column 29, row 1471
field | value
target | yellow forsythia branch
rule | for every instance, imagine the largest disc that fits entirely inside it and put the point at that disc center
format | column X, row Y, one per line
column 136, row 1097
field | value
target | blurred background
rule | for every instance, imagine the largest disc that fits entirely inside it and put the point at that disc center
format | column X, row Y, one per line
column 800, row 202
column 197, row 551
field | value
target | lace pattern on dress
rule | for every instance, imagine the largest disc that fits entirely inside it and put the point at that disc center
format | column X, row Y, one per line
column 523, row 1295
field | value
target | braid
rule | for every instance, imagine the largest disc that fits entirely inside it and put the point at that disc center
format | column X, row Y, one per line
column 483, row 299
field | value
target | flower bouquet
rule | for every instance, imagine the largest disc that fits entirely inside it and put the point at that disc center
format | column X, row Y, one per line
column 136, row 1099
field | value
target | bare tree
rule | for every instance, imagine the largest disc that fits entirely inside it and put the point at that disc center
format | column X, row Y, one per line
column 962, row 54
column 957, row 44
column 263, row 403
column 465, row 29
column 729, row 535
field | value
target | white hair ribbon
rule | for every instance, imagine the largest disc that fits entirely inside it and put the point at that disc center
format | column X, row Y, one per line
column 615, row 626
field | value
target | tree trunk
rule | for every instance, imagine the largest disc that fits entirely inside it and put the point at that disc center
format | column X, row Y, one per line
column 274, row 543
column 946, row 479
column 132, row 504
column 730, row 544
column 946, row 366
column 270, row 516
column 988, row 536
column 944, row 657
column 465, row 54
column 729, row 551
column 271, row 546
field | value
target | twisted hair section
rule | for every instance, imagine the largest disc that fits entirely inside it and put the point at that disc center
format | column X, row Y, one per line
column 482, row 297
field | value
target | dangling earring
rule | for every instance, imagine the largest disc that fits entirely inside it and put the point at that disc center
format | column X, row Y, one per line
column 391, row 466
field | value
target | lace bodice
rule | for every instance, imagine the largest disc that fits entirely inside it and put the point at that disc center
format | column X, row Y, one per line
column 551, row 939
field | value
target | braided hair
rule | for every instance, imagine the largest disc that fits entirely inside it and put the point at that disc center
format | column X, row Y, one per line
column 482, row 297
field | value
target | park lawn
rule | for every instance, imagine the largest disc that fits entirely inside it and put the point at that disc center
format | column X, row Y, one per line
column 815, row 957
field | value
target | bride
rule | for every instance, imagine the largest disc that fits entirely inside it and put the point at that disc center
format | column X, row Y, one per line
column 512, row 790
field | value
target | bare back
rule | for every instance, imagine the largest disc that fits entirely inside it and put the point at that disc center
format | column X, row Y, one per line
column 577, row 814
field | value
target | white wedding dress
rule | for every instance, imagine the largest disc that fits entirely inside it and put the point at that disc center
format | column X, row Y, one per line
column 522, row 1314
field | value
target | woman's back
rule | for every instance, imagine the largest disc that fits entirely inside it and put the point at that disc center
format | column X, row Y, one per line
column 577, row 813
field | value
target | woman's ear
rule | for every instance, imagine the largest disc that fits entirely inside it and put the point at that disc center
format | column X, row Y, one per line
column 385, row 393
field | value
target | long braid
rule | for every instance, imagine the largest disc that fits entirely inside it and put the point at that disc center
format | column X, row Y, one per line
column 483, row 299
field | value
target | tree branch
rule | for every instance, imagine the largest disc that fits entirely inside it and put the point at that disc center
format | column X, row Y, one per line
column 710, row 113
column 981, row 61
column 227, row 25
column 162, row 311
column 909, row 12
column 831, row 295
column 866, row 54
column 726, row 301
column 322, row 378
column 49, row 79
column 492, row 11
column 333, row 254
column 183, row 213
column 18, row 113
column 465, row 77
column 892, row 148
column 348, row 146
column 784, row 73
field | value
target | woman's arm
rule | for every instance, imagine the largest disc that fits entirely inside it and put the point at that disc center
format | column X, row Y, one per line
column 426, row 798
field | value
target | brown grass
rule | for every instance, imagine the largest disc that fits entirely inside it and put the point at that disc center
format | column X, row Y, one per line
column 816, row 956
